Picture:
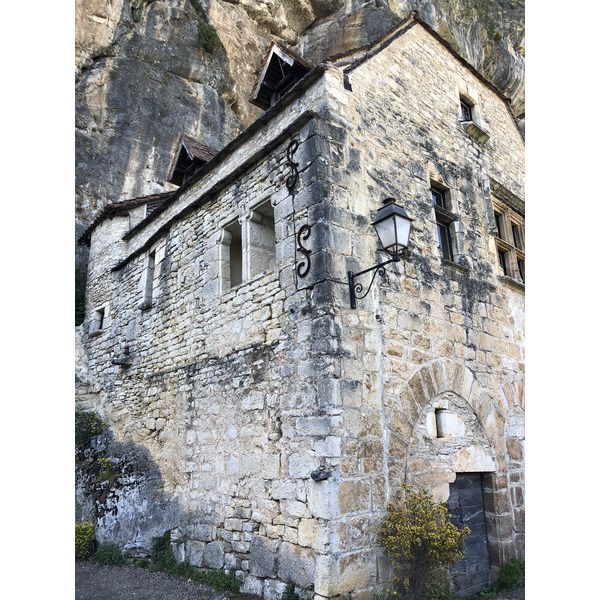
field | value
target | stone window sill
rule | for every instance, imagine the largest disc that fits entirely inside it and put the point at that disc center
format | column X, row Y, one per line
column 145, row 305
column 476, row 131
column 514, row 283
column 455, row 266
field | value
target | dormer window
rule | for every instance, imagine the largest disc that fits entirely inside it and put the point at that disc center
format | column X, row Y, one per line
column 280, row 71
column 191, row 156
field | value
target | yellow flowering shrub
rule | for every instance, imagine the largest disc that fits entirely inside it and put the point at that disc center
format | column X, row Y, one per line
column 84, row 539
column 422, row 543
column 87, row 425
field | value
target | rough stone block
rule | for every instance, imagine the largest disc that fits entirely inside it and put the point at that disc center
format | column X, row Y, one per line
column 214, row 555
column 296, row 564
column 354, row 496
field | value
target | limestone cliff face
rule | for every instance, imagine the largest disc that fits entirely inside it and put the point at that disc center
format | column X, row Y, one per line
column 142, row 79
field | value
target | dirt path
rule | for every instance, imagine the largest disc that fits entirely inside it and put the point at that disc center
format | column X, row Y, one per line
column 95, row 582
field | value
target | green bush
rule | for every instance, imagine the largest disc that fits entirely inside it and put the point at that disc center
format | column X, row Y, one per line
column 289, row 593
column 85, row 541
column 208, row 38
column 142, row 563
column 162, row 557
column 108, row 553
column 422, row 543
column 511, row 575
column 87, row 425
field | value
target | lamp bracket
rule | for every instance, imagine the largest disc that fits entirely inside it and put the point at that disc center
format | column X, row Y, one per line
column 356, row 288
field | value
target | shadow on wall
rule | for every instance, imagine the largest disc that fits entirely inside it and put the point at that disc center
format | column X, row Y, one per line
column 120, row 489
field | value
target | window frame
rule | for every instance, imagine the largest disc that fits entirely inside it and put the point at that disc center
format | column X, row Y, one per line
column 466, row 106
column 240, row 231
column 510, row 252
column 99, row 321
column 444, row 217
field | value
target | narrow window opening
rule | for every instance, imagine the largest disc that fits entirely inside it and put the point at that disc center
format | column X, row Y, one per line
column 521, row 264
column 440, row 198
column 261, row 240
column 517, row 237
column 98, row 321
column 440, row 422
column 149, row 282
column 445, row 241
column 235, row 254
column 466, row 113
column 498, row 220
column 502, row 262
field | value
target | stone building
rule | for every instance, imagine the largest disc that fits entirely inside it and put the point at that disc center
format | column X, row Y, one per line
column 257, row 416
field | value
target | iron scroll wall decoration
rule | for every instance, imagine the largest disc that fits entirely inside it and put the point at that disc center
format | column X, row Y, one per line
column 292, row 179
column 304, row 265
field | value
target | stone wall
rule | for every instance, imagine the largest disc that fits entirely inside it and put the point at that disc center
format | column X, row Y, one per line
column 431, row 335
column 281, row 421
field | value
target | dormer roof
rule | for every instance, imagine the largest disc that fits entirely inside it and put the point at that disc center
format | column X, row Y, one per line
column 281, row 69
column 191, row 155
column 115, row 209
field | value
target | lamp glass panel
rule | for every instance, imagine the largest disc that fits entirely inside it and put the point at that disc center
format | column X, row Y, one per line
column 403, row 230
column 386, row 232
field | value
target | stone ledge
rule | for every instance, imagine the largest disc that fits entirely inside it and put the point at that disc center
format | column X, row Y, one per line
column 517, row 285
column 456, row 266
column 476, row 131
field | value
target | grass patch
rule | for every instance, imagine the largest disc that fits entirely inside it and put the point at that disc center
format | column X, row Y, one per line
column 108, row 553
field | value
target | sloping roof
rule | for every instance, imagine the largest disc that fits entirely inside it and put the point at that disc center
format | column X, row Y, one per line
column 354, row 58
column 194, row 151
column 271, row 72
column 120, row 208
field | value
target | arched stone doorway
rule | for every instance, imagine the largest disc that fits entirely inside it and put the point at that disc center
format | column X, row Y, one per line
column 443, row 423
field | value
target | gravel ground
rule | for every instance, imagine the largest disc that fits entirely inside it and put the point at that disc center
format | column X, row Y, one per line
column 514, row 595
column 95, row 582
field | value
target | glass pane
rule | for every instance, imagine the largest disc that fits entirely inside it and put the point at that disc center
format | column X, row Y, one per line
column 502, row 262
column 517, row 237
column 465, row 111
column 497, row 219
column 444, row 239
column 522, row 270
column 437, row 197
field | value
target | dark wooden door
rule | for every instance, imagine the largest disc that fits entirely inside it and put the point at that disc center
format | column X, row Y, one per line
column 465, row 504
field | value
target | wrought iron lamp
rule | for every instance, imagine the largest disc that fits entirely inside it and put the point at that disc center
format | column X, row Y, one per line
column 392, row 225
